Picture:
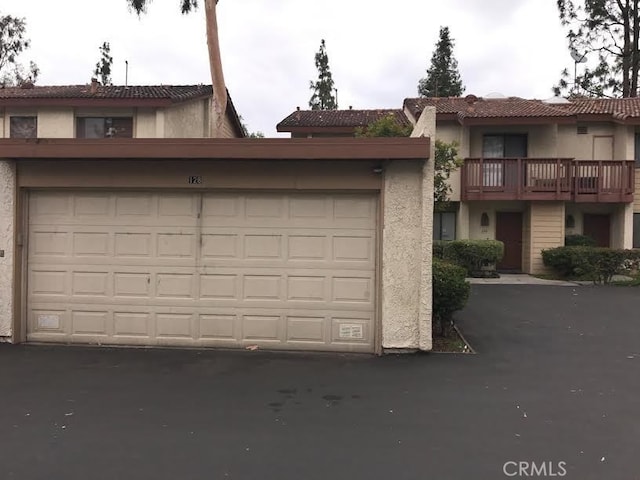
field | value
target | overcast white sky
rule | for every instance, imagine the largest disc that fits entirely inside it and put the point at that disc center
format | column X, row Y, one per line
column 378, row 50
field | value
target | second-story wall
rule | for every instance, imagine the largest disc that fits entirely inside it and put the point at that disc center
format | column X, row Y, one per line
column 450, row 132
column 602, row 141
column 55, row 123
column 188, row 120
column 542, row 140
column 145, row 123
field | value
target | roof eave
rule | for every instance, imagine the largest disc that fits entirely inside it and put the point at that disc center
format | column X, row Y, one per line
column 398, row 148
column 538, row 120
column 85, row 102
column 318, row 129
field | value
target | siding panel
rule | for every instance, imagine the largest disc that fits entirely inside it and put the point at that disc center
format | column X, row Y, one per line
column 547, row 231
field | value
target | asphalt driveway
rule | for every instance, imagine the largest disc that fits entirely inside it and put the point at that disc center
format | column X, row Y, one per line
column 556, row 379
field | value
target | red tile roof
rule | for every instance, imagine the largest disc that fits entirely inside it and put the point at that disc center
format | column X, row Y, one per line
column 474, row 107
column 173, row 93
column 339, row 118
column 620, row 108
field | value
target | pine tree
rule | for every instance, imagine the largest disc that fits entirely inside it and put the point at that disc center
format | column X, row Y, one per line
column 103, row 67
column 607, row 34
column 323, row 97
column 443, row 78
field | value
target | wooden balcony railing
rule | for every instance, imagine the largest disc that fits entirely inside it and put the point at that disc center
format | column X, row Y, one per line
column 563, row 179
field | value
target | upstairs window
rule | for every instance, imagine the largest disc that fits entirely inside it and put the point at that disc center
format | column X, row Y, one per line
column 500, row 146
column 637, row 150
column 104, row 127
column 23, row 127
column 504, row 146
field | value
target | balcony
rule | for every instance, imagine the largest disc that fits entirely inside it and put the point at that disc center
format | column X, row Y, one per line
column 559, row 179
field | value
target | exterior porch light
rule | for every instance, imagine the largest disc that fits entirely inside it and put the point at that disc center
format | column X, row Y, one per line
column 484, row 219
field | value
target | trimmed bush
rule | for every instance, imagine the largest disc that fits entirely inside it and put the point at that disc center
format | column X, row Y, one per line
column 593, row 263
column 579, row 241
column 450, row 294
column 472, row 255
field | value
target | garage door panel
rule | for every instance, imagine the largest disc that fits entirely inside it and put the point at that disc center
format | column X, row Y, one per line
column 49, row 319
column 48, row 243
column 47, row 283
column 90, row 323
column 275, row 270
column 95, row 283
column 131, row 244
column 306, row 329
column 131, row 324
column 49, row 206
column 134, row 207
column 91, row 205
column 218, row 327
column 216, row 246
column 261, row 327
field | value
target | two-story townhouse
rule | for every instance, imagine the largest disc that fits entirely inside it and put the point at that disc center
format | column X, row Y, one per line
column 534, row 171
column 99, row 111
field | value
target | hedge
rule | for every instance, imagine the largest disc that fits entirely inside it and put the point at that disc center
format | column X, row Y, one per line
column 593, row 263
column 472, row 255
column 450, row 294
column 579, row 241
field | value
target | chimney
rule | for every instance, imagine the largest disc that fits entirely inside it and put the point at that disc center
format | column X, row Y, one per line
column 94, row 85
column 350, row 107
column 298, row 108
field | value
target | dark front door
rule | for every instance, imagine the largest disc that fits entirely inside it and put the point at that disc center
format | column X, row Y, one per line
column 597, row 227
column 509, row 232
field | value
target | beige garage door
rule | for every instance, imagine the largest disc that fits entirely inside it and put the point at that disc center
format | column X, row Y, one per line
column 286, row 271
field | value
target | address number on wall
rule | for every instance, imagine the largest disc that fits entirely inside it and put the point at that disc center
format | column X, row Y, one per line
column 195, row 180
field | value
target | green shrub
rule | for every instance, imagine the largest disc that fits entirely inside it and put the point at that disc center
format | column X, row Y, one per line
column 450, row 294
column 579, row 241
column 472, row 255
column 593, row 263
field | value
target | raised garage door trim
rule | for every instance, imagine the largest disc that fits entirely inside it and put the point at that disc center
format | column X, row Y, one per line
column 283, row 271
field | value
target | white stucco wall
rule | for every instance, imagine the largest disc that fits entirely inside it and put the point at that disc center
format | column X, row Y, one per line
column 7, row 231
column 145, row 123
column 56, row 123
column 580, row 147
column 187, row 120
column 402, row 238
column 407, row 249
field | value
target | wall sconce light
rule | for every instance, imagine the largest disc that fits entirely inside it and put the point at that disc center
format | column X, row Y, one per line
column 570, row 222
column 484, row 220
